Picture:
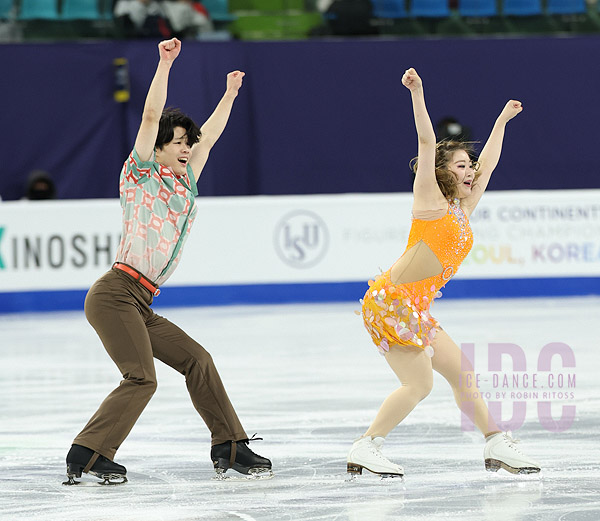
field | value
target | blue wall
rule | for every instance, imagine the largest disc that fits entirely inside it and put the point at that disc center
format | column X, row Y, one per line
column 313, row 116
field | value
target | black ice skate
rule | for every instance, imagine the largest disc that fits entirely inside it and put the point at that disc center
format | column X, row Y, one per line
column 238, row 456
column 83, row 460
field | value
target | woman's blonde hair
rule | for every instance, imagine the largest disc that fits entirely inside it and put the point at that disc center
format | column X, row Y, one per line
column 444, row 151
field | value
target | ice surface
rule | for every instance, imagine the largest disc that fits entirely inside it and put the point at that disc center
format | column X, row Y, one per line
column 308, row 380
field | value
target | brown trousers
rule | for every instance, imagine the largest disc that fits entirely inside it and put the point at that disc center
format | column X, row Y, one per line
column 118, row 308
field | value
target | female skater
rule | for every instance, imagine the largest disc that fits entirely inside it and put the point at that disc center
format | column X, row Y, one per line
column 447, row 188
column 157, row 188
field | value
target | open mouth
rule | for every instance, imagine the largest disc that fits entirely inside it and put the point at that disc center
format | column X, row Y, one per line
column 183, row 160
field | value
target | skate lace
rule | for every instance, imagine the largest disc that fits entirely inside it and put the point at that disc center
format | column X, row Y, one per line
column 512, row 442
column 376, row 450
column 246, row 442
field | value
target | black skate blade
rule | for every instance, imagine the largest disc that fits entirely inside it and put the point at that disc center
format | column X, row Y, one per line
column 252, row 475
column 71, row 481
column 107, row 480
column 261, row 473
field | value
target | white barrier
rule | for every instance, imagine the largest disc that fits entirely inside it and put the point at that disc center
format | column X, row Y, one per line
column 66, row 245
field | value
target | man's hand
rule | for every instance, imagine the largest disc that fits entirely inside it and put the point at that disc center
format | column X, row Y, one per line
column 234, row 81
column 411, row 80
column 510, row 110
column 169, row 49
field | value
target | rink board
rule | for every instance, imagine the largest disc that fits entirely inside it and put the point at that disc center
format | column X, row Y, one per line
column 301, row 248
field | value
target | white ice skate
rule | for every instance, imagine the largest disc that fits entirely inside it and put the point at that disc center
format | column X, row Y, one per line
column 366, row 454
column 500, row 452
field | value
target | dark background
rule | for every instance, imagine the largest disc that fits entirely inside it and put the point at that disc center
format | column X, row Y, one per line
column 312, row 116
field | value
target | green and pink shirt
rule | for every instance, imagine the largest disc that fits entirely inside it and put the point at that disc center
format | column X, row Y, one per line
column 158, row 211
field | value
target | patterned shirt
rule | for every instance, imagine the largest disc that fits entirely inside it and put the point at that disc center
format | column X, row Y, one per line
column 158, row 211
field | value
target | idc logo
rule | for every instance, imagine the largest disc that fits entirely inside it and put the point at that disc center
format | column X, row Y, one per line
column 301, row 238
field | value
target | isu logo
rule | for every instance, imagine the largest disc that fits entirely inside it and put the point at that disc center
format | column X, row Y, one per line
column 301, row 238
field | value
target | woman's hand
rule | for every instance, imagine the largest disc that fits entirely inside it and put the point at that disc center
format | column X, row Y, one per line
column 411, row 80
column 510, row 110
column 168, row 50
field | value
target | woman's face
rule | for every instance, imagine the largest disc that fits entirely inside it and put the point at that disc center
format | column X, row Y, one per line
column 462, row 168
column 176, row 153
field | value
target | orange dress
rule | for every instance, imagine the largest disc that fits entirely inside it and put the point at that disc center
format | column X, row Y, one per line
column 399, row 313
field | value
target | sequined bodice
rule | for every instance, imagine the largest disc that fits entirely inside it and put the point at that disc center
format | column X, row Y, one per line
column 396, row 312
column 450, row 238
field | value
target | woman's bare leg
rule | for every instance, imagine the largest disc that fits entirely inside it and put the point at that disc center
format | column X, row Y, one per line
column 413, row 368
column 454, row 366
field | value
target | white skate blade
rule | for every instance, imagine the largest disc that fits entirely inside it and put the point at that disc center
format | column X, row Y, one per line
column 254, row 475
column 355, row 470
column 494, row 465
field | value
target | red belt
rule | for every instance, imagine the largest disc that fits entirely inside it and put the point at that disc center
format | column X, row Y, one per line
column 139, row 277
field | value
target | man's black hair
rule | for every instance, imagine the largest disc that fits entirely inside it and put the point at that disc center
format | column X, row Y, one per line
column 172, row 118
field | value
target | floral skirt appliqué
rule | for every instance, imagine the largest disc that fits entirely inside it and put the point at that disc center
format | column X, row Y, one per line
column 392, row 315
